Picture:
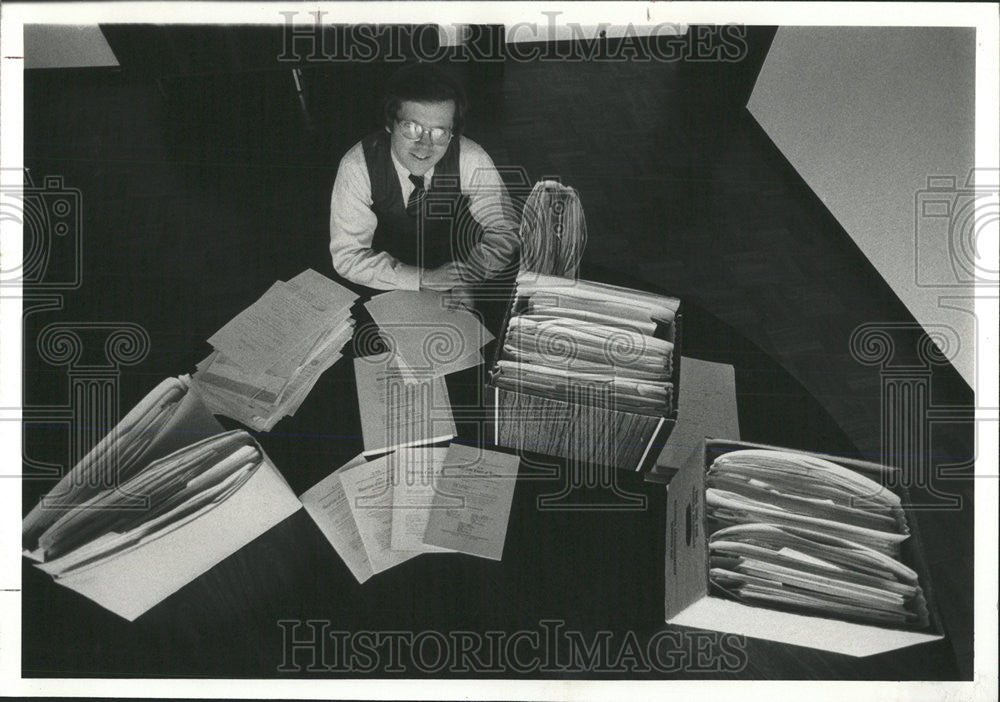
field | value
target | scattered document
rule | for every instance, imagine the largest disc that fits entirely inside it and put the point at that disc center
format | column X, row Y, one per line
column 368, row 488
column 367, row 513
column 327, row 504
column 475, row 494
column 426, row 337
column 396, row 413
column 417, row 474
column 269, row 357
column 380, row 513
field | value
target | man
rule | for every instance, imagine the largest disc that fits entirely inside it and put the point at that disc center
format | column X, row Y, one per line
column 418, row 206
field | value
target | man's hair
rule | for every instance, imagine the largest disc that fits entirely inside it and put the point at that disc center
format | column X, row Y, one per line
column 423, row 82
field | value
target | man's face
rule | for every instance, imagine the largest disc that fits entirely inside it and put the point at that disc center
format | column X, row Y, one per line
column 420, row 156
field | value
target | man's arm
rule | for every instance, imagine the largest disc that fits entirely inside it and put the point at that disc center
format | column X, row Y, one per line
column 352, row 228
column 491, row 207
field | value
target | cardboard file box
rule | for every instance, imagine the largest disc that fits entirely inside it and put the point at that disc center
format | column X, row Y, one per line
column 586, row 430
column 131, row 581
column 134, row 443
column 688, row 601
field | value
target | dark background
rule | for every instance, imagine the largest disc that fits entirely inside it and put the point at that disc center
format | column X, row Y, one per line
column 205, row 175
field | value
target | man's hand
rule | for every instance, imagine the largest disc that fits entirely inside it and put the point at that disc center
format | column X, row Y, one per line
column 442, row 279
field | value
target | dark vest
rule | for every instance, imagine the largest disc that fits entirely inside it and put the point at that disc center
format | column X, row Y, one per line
column 442, row 232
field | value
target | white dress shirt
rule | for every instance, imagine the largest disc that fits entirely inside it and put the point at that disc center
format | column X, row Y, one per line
column 352, row 221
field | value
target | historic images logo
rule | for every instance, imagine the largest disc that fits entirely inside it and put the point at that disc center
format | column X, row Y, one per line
column 314, row 646
column 318, row 37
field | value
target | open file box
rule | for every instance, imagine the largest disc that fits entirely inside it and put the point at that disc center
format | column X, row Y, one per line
column 584, row 430
column 132, row 580
column 231, row 494
column 170, row 417
column 688, row 601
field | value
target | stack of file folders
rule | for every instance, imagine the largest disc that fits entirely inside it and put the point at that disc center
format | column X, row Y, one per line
column 163, row 498
column 801, row 533
column 269, row 357
column 586, row 370
column 803, row 548
column 553, row 230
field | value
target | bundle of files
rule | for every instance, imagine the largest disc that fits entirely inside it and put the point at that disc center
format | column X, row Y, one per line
column 801, row 533
column 380, row 513
column 563, row 335
column 171, row 416
column 553, row 230
column 161, row 500
column 269, row 357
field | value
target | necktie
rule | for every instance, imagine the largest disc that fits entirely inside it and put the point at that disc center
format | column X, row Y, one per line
column 413, row 204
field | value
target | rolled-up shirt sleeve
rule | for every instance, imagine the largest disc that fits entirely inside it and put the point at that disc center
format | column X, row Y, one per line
column 491, row 207
column 352, row 228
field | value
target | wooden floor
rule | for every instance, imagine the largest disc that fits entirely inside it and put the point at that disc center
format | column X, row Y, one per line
column 198, row 191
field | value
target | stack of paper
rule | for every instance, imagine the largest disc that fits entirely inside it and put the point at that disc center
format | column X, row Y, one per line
column 380, row 513
column 269, row 357
column 195, row 507
column 808, row 534
column 426, row 336
column 565, row 334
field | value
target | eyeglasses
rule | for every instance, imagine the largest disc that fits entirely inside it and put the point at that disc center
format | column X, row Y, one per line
column 439, row 136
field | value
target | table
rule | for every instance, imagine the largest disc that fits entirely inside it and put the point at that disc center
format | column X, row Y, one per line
column 578, row 593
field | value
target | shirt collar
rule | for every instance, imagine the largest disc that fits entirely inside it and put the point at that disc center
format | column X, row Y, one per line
column 404, row 174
